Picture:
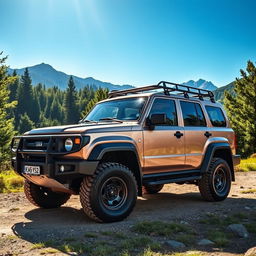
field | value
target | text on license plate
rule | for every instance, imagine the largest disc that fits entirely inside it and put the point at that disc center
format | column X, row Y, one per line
column 32, row 170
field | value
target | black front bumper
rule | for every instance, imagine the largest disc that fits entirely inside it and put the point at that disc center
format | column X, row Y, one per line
column 53, row 169
column 52, row 162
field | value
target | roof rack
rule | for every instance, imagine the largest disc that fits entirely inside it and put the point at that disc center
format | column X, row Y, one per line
column 168, row 87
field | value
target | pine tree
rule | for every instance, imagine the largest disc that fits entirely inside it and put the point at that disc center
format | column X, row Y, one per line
column 25, row 123
column 6, row 125
column 13, row 87
column 25, row 95
column 241, row 109
column 70, row 103
column 100, row 94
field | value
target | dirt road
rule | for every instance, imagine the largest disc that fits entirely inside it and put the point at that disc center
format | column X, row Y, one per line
column 22, row 225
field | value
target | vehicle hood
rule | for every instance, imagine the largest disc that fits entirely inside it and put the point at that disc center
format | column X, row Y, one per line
column 84, row 128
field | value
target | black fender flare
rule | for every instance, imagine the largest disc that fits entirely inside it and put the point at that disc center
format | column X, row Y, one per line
column 211, row 149
column 99, row 150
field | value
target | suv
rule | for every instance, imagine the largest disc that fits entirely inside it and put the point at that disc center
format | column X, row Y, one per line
column 132, row 143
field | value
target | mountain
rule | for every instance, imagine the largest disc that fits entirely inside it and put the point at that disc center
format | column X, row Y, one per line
column 219, row 92
column 47, row 75
column 202, row 84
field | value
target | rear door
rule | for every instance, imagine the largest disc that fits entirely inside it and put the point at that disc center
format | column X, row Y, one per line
column 196, row 133
column 163, row 151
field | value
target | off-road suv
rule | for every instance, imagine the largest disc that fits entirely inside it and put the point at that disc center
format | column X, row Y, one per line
column 132, row 143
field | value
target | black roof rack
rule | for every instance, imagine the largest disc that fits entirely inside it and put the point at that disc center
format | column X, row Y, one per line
column 168, row 87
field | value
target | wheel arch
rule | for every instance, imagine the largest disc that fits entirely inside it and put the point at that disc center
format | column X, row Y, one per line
column 220, row 150
column 124, row 153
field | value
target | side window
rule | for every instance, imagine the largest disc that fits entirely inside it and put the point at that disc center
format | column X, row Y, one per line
column 165, row 106
column 216, row 116
column 192, row 114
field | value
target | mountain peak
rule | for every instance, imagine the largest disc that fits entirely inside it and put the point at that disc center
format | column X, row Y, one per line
column 201, row 84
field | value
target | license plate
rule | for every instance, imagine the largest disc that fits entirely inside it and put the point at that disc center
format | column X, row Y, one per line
column 31, row 170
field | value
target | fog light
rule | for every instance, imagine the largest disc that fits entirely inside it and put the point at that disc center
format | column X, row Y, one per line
column 62, row 168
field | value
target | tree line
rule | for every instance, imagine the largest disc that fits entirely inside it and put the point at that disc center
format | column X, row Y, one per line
column 38, row 106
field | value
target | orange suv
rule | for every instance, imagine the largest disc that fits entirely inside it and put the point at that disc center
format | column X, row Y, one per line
column 132, row 143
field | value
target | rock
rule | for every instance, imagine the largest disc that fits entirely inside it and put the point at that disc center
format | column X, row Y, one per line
column 183, row 222
column 175, row 244
column 247, row 208
column 205, row 242
column 239, row 230
column 251, row 252
column 241, row 186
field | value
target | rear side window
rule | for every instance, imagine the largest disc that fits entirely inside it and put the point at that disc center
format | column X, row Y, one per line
column 216, row 116
column 165, row 106
column 192, row 114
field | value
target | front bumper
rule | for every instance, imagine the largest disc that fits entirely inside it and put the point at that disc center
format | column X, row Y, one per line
column 53, row 169
column 236, row 160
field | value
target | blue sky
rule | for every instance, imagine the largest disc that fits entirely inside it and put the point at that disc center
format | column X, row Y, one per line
column 137, row 42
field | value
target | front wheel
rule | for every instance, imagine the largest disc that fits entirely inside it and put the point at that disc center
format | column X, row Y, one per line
column 216, row 182
column 44, row 197
column 110, row 194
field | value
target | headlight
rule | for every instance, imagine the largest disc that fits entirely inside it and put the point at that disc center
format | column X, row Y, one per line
column 68, row 144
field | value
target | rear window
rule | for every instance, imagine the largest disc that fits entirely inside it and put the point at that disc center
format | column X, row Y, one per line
column 216, row 116
column 192, row 114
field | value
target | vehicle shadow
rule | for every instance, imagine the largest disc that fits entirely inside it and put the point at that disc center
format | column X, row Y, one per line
column 54, row 226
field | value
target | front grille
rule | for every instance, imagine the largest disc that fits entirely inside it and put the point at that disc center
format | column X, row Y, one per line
column 36, row 143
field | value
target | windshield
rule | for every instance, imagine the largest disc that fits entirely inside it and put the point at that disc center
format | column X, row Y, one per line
column 123, row 109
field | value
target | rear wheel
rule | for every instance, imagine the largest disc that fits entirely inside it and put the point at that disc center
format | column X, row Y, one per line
column 216, row 182
column 152, row 189
column 110, row 194
column 44, row 197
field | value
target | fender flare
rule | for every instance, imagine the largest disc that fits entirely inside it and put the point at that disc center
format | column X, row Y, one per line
column 211, row 149
column 99, row 150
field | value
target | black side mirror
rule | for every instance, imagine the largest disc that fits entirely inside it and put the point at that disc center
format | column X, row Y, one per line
column 157, row 119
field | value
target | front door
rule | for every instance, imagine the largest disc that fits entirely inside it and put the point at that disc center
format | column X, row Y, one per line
column 164, row 144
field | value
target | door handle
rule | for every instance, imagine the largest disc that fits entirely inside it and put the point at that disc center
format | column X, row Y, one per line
column 207, row 134
column 178, row 134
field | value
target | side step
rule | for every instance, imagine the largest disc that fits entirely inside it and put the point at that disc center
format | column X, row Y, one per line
column 171, row 177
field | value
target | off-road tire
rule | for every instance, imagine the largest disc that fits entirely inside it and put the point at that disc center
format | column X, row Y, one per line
column 152, row 189
column 207, row 184
column 44, row 197
column 93, row 189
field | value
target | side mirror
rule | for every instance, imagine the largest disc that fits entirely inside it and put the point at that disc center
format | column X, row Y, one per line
column 157, row 119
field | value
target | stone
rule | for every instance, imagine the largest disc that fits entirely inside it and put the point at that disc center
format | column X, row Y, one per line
column 175, row 244
column 251, row 252
column 239, row 230
column 205, row 242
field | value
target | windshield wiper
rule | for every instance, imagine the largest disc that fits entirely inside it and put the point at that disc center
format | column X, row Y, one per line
column 111, row 119
column 88, row 121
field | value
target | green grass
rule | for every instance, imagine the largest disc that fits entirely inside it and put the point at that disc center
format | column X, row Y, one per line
column 251, row 227
column 222, row 222
column 90, row 235
column 10, row 182
column 159, row 228
column 78, row 247
column 113, row 234
column 247, row 165
column 220, row 238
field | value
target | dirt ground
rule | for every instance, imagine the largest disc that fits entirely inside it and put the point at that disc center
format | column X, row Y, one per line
column 22, row 225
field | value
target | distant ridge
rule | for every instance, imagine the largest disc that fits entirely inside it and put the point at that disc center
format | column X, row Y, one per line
column 47, row 75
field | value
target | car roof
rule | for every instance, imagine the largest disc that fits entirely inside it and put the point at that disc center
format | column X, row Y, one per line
column 155, row 94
